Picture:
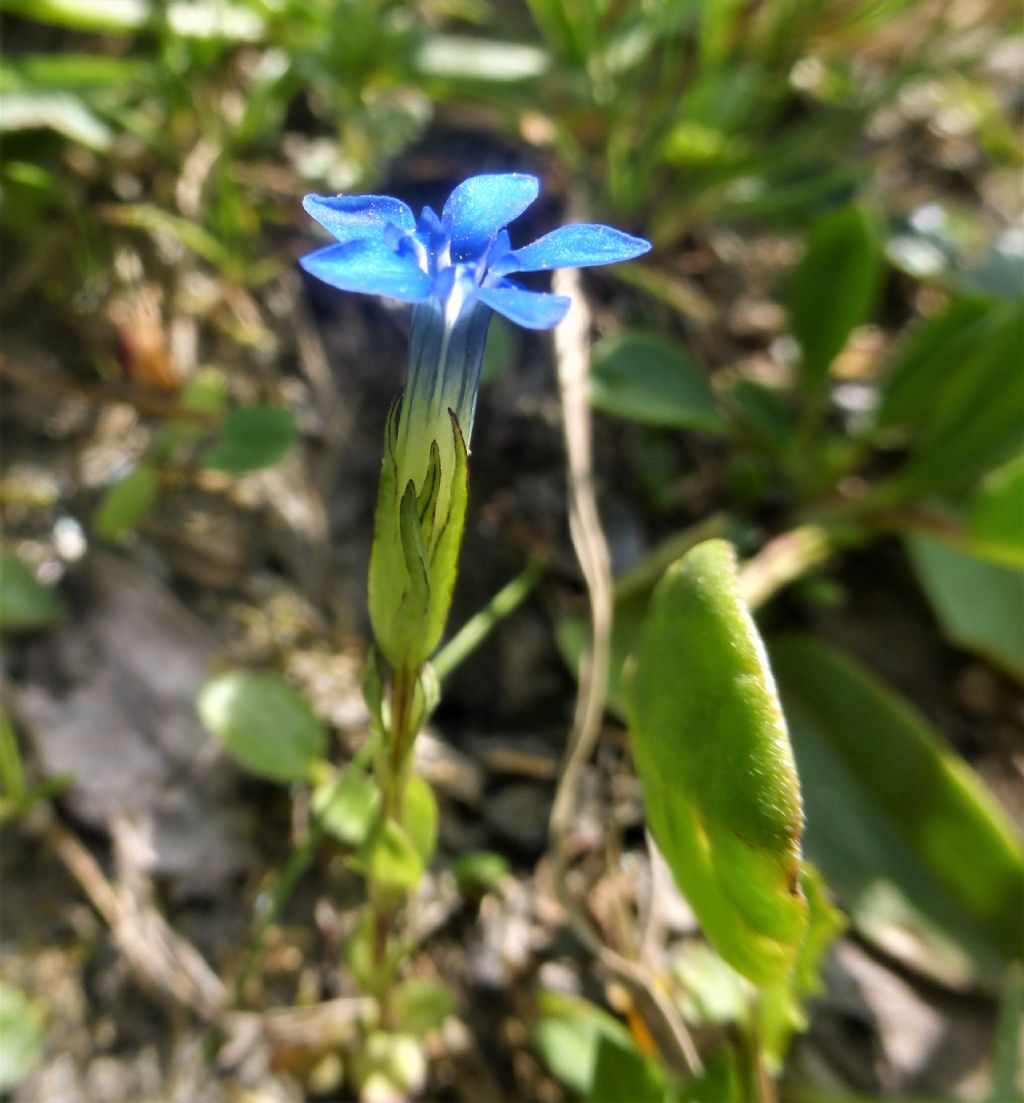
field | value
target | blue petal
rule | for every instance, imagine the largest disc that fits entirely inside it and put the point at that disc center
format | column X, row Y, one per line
column 370, row 267
column 532, row 309
column 580, row 246
column 480, row 206
column 351, row 217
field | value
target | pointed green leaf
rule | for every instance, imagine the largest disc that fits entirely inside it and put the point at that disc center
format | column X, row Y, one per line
column 713, row 755
column 263, row 723
column 889, row 806
column 126, row 504
column 446, row 543
column 833, row 289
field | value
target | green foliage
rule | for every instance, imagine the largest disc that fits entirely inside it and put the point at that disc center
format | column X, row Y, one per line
column 978, row 601
column 593, row 1054
column 252, row 438
column 21, row 1036
column 480, row 871
column 997, row 512
column 266, row 725
column 25, row 603
column 887, row 803
column 419, row 1006
column 126, row 504
column 348, row 807
column 711, row 749
column 833, row 289
column 644, row 377
column 414, row 558
column 419, row 817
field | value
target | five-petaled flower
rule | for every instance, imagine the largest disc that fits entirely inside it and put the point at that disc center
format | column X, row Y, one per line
column 456, row 270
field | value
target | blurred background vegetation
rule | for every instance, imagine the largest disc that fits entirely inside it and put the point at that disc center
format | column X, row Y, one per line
column 820, row 359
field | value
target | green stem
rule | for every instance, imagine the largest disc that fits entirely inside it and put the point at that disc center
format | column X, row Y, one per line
column 481, row 624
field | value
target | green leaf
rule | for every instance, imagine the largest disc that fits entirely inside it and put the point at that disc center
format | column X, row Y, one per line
column 252, row 438
column 419, row 817
column 347, row 808
column 25, row 603
column 927, row 358
column 833, row 289
column 997, row 511
column 781, row 1006
column 643, row 377
column 711, row 749
column 419, row 1005
column 593, row 1054
column 21, row 1036
column 263, row 723
column 97, row 15
column 392, row 860
column 68, row 72
column 973, row 418
column 480, row 871
column 126, row 504
column 62, row 112
column 978, row 602
column 1007, row 1062
column 887, row 805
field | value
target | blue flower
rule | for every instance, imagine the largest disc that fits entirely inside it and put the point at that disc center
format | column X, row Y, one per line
column 456, row 270
column 464, row 255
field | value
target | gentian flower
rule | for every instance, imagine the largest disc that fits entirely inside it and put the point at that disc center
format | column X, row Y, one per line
column 456, row 269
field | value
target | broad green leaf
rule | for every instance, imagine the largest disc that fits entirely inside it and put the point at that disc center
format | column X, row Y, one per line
column 25, row 603
column 252, row 438
column 888, row 805
column 833, row 289
column 392, row 860
column 263, row 723
column 126, row 504
column 713, row 756
column 643, row 377
column 348, row 807
column 978, row 602
column 997, row 510
column 593, row 1054
column 21, row 1036
column 419, row 817
column 419, row 1005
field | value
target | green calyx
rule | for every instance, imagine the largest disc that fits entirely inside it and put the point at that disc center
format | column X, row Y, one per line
column 416, row 538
